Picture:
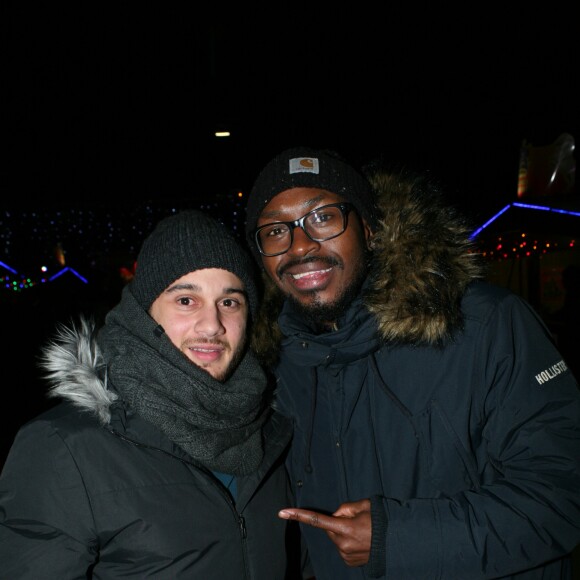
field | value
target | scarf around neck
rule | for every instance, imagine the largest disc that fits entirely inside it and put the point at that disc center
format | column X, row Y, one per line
column 218, row 424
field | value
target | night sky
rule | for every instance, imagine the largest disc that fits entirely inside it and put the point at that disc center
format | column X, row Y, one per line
column 115, row 106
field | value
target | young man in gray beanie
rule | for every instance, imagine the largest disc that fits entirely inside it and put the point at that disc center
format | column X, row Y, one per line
column 165, row 458
column 436, row 426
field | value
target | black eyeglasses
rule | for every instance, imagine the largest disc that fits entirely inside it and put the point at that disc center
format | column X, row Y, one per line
column 320, row 224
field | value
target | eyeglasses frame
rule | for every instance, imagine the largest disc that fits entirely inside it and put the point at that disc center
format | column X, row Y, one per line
column 344, row 206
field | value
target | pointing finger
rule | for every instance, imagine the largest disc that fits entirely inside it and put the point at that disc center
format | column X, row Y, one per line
column 314, row 519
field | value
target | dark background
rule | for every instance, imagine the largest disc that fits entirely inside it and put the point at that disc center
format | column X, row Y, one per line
column 112, row 104
column 115, row 105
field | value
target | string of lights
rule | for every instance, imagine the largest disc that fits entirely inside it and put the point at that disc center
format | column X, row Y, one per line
column 41, row 246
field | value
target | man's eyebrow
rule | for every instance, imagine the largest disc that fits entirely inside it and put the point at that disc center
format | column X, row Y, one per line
column 234, row 290
column 197, row 288
column 178, row 287
column 307, row 205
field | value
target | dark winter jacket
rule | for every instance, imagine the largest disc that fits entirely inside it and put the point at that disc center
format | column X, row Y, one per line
column 441, row 398
column 83, row 498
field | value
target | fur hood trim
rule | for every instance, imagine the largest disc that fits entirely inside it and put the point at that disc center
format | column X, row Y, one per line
column 76, row 370
column 423, row 260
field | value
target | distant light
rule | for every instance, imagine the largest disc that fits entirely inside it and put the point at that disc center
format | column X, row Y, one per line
column 222, row 133
column 478, row 230
column 67, row 269
column 8, row 267
column 525, row 206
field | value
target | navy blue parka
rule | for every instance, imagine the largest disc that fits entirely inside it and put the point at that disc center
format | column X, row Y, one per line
column 444, row 400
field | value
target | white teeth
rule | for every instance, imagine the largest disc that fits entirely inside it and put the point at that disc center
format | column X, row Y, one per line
column 298, row 276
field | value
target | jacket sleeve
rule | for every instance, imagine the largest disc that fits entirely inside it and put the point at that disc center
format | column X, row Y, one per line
column 45, row 517
column 525, row 510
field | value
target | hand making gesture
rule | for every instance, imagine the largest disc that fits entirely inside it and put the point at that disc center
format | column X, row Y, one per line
column 349, row 528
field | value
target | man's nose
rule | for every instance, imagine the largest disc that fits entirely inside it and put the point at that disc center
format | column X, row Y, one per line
column 209, row 322
column 301, row 243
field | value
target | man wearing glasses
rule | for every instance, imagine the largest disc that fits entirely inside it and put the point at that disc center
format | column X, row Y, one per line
column 436, row 426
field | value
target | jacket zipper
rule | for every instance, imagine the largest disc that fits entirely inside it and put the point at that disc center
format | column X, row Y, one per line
column 222, row 489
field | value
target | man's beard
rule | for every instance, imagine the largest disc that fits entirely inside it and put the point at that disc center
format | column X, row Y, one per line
column 236, row 359
column 321, row 316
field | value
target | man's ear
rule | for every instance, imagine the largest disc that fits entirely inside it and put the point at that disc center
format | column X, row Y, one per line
column 368, row 234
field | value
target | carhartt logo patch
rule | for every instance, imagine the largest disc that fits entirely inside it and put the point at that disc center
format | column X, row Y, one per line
column 303, row 165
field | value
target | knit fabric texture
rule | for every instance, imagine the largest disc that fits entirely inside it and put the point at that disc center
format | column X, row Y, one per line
column 307, row 167
column 217, row 423
column 182, row 243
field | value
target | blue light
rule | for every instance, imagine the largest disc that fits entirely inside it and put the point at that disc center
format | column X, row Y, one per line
column 492, row 219
column 8, row 267
column 67, row 269
column 524, row 206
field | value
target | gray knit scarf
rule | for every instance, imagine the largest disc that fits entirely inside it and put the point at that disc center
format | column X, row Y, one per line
column 217, row 424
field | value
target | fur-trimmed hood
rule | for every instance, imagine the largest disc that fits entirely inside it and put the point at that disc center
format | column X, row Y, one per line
column 76, row 369
column 423, row 260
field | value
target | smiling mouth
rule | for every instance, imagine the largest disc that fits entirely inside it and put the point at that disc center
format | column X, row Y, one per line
column 311, row 273
column 209, row 347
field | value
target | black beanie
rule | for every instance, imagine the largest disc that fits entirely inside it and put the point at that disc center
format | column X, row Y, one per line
column 182, row 243
column 307, row 167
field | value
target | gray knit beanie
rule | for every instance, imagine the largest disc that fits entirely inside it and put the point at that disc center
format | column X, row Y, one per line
column 307, row 167
column 182, row 243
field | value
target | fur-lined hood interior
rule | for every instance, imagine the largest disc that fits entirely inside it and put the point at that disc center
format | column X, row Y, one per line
column 76, row 370
column 423, row 260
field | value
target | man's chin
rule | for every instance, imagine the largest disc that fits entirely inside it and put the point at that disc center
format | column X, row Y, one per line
column 321, row 313
column 318, row 313
column 234, row 363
